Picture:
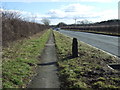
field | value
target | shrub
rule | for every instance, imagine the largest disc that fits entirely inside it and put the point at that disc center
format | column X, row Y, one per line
column 15, row 28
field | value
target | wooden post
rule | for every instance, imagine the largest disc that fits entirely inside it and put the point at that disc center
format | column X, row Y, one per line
column 75, row 48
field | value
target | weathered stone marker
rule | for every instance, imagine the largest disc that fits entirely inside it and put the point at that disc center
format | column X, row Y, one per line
column 74, row 48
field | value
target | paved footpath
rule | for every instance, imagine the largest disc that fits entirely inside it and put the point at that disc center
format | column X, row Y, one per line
column 47, row 71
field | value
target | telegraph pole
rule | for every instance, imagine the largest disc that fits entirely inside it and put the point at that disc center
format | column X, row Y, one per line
column 75, row 20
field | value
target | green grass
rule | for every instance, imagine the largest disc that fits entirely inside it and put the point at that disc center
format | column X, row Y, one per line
column 89, row 70
column 20, row 60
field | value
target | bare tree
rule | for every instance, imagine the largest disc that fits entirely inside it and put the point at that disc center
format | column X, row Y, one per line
column 11, row 15
column 84, row 22
column 75, row 18
column 45, row 21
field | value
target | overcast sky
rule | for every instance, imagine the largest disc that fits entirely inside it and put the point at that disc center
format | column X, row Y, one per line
column 64, row 10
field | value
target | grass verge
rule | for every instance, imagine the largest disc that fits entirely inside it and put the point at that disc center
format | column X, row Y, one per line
column 20, row 60
column 89, row 70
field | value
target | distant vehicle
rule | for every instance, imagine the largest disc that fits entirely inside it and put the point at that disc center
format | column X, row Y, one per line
column 57, row 29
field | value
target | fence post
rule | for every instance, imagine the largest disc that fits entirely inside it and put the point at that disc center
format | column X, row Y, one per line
column 74, row 48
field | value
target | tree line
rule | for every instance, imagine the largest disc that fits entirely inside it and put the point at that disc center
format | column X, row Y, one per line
column 14, row 27
column 110, row 26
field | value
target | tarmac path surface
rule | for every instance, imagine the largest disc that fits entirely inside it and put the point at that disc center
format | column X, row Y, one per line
column 104, row 42
column 47, row 70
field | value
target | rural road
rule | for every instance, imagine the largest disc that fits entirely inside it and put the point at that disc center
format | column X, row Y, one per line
column 47, row 71
column 104, row 42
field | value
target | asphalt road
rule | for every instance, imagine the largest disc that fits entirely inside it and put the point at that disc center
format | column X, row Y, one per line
column 104, row 42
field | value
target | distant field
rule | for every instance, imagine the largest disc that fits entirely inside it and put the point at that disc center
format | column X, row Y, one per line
column 89, row 70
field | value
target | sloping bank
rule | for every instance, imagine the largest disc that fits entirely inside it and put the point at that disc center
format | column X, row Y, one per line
column 20, row 60
column 89, row 70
